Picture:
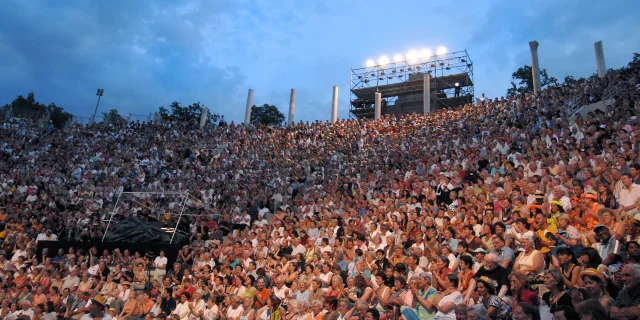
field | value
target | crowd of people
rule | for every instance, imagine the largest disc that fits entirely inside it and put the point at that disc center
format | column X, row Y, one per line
column 512, row 208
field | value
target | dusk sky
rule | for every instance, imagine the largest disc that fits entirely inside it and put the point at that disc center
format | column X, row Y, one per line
column 146, row 54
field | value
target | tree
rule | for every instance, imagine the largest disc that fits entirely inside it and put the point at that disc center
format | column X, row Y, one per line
column 635, row 63
column 58, row 116
column 523, row 81
column 266, row 115
column 189, row 114
column 29, row 108
column 113, row 117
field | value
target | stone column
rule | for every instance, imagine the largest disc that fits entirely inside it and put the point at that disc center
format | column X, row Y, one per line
column 535, row 66
column 378, row 105
column 426, row 94
column 247, row 113
column 602, row 69
column 204, row 114
column 334, row 105
column 292, row 106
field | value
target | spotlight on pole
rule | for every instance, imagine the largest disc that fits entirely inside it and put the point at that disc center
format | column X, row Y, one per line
column 99, row 93
column 370, row 63
column 383, row 61
column 457, row 84
column 412, row 55
column 441, row 50
column 425, row 53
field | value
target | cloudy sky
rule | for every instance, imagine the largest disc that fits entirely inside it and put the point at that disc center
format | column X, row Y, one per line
column 149, row 53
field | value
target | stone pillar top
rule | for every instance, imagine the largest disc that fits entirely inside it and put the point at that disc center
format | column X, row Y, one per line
column 533, row 45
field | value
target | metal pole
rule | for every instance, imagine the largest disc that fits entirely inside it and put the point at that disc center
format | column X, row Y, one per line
column 111, row 218
column 426, row 94
column 93, row 118
column 184, row 204
column 378, row 105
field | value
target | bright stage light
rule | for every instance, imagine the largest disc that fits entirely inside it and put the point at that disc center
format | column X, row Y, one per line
column 457, row 84
column 383, row 61
column 441, row 50
column 370, row 63
column 425, row 53
column 398, row 58
column 412, row 55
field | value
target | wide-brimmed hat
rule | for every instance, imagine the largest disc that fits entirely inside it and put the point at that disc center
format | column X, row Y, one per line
column 592, row 273
column 488, row 282
column 99, row 299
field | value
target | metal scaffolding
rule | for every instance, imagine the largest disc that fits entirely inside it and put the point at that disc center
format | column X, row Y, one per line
column 401, row 84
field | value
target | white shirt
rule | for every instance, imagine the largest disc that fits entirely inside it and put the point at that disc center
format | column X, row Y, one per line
column 298, row 249
column 182, row 310
column 232, row 314
column 44, row 237
column 456, row 298
column 628, row 197
column 198, row 306
column 160, row 261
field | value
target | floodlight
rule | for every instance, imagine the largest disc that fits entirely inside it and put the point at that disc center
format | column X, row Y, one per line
column 425, row 53
column 370, row 63
column 457, row 84
column 441, row 50
column 398, row 58
column 383, row 61
column 412, row 55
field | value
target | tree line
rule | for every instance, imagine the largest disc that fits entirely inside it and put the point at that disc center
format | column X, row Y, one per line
column 266, row 114
column 29, row 108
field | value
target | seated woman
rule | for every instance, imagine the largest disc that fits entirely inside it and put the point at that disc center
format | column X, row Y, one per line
column 486, row 295
column 447, row 301
column 595, row 288
column 520, row 289
column 557, row 296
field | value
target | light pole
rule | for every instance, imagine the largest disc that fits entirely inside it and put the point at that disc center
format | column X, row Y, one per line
column 99, row 93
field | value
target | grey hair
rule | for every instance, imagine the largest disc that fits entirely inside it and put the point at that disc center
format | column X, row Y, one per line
column 479, row 311
column 491, row 256
column 316, row 303
column 361, row 303
column 635, row 268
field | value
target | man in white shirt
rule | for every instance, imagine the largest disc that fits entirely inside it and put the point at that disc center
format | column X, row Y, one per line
column 46, row 235
column 71, row 280
column 297, row 247
column 628, row 196
column 558, row 194
column 280, row 290
column 159, row 267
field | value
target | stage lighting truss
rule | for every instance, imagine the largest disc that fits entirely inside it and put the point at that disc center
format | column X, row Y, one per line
column 402, row 75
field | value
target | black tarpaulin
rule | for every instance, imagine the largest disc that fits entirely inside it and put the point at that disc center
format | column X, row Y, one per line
column 134, row 230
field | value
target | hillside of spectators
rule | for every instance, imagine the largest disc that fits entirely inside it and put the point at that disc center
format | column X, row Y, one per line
column 500, row 210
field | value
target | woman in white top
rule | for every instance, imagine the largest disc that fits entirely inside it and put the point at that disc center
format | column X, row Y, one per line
column 516, row 232
column 531, row 261
column 212, row 311
column 447, row 301
column 236, row 309
column 182, row 309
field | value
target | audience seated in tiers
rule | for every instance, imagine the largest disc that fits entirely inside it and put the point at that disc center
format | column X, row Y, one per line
column 510, row 208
